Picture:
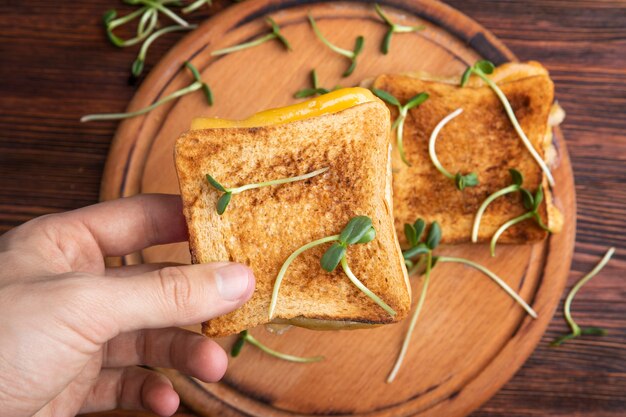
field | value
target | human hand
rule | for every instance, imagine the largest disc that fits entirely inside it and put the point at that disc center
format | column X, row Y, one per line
column 71, row 330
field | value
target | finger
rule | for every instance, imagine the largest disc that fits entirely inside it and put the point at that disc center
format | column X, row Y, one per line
column 129, row 224
column 188, row 352
column 133, row 270
column 173, row 296
column 132, row 388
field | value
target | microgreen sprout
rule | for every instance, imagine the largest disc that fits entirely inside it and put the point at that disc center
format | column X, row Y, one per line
column 532, row 204
column 256, row 42
column 198, row 84
column 147, row 24
column 351, row 55
column 245, row 337
column 461, row 181
column 358, row 230
column 223, row 201
column 161, row 6
column 316, row 90
column 393, row 28
column 137, row 67
column 424, row 250
column 196, row 5
column 517, row 179
column 403, row 111
column 484, row 68
column 576, row 329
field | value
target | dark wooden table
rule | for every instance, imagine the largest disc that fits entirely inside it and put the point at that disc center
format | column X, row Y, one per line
column 55, row 66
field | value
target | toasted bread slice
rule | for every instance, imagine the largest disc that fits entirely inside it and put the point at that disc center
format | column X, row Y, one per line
column 480, row 140
column 262, row 227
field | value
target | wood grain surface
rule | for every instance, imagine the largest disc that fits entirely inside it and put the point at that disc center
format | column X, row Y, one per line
column 56, row 66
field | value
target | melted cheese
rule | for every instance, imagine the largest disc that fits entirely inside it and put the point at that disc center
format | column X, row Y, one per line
column 332, row 102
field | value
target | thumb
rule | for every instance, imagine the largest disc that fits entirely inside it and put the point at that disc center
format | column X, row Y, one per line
column 177, row 295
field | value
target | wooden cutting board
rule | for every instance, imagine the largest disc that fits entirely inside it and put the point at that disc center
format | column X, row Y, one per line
column 471, row 337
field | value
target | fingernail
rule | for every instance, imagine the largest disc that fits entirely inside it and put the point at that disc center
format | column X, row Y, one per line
column 232, row 281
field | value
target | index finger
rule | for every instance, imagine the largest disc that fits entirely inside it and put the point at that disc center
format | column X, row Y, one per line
column 133, row 223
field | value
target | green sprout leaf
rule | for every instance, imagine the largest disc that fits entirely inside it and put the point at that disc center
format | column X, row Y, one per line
column 387, row 97
column 461, row 181
column 416, row 100
column 332, row 256
column 485, row 66
column 527, row 199
column 516, row 177
column 108, row 16
column 411, row 234
column 368, row 236
column 215, row 184
column 466, row 76
column 420, row 226
column 538, row 197
column 356, row 228
column 434, row 236
column 222, row 203
column 241, row 340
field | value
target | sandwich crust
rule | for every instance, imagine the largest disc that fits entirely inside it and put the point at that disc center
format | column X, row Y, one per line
column 262, row 227
column 480, row 140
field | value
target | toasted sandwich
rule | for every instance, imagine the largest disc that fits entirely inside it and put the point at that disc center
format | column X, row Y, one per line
column 345, row 134
column 481, row 140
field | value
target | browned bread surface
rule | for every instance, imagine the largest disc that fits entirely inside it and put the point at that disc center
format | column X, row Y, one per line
column 262, row 227
column 480, row 140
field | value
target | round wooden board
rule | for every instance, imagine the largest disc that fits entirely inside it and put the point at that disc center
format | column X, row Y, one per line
column 471, row 337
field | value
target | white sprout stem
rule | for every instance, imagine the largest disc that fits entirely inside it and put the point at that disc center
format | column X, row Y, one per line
column 125, row 19
column 395, row 27
column 167, row 12
column 406, row 29
column 318, row 33
column 290, row 259
column 145, row 18
column 276, row 182
column 196, row 5
column 518, row 128
column 414, row 317
column 570, row 297
column 479, row 214
column 505, row 226
column 284, row 356
column 144, row 48
column 246, row 45
column 144, row 33
column 364, row 289
column 400, row 134
column 495, row 278
column 118, row 116
column 433, row 140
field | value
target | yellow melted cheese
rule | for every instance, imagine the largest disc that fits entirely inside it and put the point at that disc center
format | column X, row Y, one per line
column 332, row 102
